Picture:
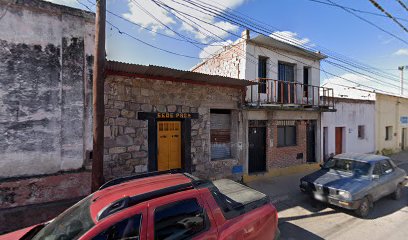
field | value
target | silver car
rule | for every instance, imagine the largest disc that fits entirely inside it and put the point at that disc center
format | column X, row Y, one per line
column 355, row 181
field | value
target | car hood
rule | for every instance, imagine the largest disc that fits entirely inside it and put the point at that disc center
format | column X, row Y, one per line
column 19, row 234
column 337, row 180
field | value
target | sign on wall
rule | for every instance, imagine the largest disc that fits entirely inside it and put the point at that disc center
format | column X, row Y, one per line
column 404, row 119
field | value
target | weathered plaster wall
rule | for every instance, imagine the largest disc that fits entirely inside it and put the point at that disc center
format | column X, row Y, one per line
column 388, row 111
column 126, row 137
column 45, row 72
column 350, row 114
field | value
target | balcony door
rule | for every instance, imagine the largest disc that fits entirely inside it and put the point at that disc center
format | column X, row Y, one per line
column 286, row 77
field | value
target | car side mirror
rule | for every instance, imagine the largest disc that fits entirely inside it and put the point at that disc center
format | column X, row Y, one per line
column 376, row 177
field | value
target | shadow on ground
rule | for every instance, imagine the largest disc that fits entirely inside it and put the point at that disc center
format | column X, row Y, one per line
column 290, row 231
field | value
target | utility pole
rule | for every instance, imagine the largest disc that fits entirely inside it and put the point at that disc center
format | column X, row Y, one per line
column 401, row 68
column 98, row 92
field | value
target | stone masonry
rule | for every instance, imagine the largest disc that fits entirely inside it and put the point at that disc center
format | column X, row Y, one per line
column 126, row 137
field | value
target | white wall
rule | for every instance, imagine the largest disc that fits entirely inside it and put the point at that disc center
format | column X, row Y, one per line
column 350, row 114
column 251, row 70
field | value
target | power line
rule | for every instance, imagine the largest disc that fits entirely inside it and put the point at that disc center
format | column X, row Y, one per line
column 262, row 30
column 358, row 10
column 141, row 41
column 337, row 64
column 377, row 5
column 369, row 22
column 303, row 62
column 402, row 4
column 165, row 50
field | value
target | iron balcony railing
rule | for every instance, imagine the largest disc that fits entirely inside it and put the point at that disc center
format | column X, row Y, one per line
column 271, row 92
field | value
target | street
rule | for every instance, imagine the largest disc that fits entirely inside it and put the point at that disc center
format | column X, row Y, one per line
column 298, row 219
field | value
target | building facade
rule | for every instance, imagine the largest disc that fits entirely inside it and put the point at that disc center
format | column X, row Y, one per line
column 45, row 115
column 282, row 110
column 391, row 120
column 158, row 118
column 350, row 129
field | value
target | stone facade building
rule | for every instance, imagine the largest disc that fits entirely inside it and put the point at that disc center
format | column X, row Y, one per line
column 158, row 118
column 282, row 110
column 45, row 115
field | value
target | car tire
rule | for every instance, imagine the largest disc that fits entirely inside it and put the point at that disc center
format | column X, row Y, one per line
column 398, row 192
column 364, row 209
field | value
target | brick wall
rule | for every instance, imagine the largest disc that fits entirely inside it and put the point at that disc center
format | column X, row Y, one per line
column 126, row 137
column 280, row 157
column 229, row 63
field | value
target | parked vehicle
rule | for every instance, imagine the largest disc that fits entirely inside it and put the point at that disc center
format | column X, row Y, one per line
column 355, row 181
column 168, row 205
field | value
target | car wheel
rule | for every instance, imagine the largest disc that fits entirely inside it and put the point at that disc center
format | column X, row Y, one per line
column 398, row 192
column 364, row 209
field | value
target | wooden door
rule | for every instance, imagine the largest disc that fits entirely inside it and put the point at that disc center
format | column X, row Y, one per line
column 168, row 145
column 339, row 140
column 257, row 149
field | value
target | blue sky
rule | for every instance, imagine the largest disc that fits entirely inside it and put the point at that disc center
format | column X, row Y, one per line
column 321, row 26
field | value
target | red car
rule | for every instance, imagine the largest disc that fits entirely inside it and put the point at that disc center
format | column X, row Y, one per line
column 167, row 205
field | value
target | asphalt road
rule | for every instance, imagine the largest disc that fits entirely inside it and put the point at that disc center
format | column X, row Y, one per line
column 298, row 219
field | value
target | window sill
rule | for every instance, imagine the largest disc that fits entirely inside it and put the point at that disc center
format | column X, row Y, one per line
column 286, row 146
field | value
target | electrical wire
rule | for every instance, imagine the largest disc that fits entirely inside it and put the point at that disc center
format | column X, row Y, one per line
column 369, row 22
column 294, row 42
column 141, row 41
column 379, row 7
column 358, row 10
column 402, row 4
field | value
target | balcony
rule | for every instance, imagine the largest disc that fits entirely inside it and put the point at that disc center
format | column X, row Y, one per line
column 281, row 94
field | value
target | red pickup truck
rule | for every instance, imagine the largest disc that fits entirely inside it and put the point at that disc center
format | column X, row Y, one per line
column 167, row 206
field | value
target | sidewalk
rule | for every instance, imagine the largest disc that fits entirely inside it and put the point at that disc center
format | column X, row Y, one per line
column 283, row 191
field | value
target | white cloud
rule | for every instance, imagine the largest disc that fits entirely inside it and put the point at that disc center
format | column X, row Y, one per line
column 137, row 15
column 291, row 38
column 402, row 52
column 210, row 50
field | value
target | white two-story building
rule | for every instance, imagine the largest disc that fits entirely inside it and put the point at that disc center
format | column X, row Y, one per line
column 282, row 110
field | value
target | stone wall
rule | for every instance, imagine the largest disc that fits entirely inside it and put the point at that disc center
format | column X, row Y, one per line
column 281, row 157
column 126, row 137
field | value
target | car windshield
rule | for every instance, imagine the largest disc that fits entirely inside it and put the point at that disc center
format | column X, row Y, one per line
column 348, row 165
column 71, row 224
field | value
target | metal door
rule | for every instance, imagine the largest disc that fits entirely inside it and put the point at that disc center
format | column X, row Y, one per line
column 257, row 149
column 403, row 138
column 168, row 145
column 311, row 141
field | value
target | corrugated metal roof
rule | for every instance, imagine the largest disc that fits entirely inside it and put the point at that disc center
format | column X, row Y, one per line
column 274, row 43
column 174, row 74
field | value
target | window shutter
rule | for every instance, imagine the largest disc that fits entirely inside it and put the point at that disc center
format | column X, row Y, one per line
column 220, row 135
